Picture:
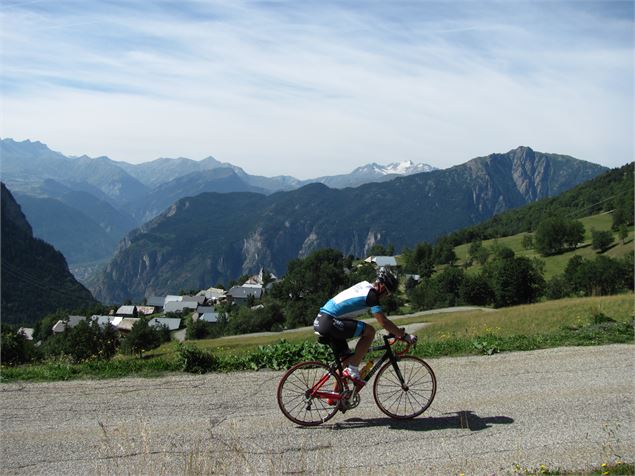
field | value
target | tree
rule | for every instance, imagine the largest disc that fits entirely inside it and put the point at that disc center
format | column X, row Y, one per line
column 601, row 240
column 527, row 241
column 558, row 287
column 599, row 277
column 420, row 260
column 309, row 283
column 574, row 233
column 87, row 340
column 443, row 252
column 198, row 329
column 141, row 338
column 514, row 280
column 377, row 250
column 476, row 290
column 622, row 232
column 14, row 347
column 553, row 235
column 449, row 283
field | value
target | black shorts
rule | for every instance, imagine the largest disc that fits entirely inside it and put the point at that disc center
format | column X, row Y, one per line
column 339, row 329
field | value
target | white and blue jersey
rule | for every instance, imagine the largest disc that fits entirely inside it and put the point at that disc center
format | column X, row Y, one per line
column 353, row 301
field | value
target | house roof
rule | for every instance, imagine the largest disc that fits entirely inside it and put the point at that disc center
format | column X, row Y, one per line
column 172, row 298
column 103, row 320
column 70, row 322
column 209, row 317
column 382, row 260
column 180, row 306
column 126, row 311
column 126, row 323
column 146, row 310
column 197, row 299
column 27, row 332
column 156, row 301
column 212, row 293
column 172, row 323
column 204, row 309
column 242, row 292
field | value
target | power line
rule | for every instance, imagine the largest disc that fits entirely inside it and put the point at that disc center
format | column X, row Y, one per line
column 34, row 281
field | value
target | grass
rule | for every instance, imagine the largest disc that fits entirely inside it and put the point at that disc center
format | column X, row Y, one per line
column 575, row 321
column 556, row 264
column 617, row 468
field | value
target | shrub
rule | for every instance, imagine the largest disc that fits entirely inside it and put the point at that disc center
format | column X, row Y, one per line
column 198, row 329
column 285, row 354
column 15, row 348
column 558, row 287
column 195, row 360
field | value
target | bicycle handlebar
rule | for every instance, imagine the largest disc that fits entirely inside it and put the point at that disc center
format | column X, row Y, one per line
column 387, row 339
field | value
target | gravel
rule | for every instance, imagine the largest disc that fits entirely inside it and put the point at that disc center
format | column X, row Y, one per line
column 566, row 408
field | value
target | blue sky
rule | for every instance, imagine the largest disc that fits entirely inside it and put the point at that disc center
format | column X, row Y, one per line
column 309, row 88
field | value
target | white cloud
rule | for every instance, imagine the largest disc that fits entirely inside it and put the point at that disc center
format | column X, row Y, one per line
column 280, row 89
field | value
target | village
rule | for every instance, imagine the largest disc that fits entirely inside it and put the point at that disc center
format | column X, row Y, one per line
column 170, row 311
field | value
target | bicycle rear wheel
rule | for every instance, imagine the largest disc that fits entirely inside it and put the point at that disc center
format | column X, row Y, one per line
column 297, row 397
column 410, row 399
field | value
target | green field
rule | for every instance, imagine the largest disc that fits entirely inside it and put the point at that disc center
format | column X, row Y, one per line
column 556, row 264
column 575, row 321
column 546, row 318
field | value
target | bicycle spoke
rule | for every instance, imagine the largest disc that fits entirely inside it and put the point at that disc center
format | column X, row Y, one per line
column 298, row 384
column 411, row 399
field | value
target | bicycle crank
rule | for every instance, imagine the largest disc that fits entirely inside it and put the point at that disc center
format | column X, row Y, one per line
column 350, row 399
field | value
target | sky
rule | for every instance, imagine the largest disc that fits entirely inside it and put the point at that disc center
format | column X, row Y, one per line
column 312, row 88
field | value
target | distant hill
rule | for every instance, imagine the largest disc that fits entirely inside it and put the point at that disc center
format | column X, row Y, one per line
column 27, row 164
column 221, row 180
column 35, row 277
column 119, row 196
column 193, row 245
column 79, row 237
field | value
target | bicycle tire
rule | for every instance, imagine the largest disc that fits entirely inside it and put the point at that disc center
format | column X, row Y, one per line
column 292, row 394
column 400, row 403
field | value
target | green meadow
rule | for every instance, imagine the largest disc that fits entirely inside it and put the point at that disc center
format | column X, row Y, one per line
column 556, row 264
column 575, row 321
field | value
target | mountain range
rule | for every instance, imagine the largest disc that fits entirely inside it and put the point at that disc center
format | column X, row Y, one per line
column 211, row 237
column 100, row 199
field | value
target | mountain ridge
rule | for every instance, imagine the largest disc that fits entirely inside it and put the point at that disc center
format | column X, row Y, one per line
column 268, row 231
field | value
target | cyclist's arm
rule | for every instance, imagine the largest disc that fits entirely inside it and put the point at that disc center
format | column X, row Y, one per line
column 388, row 324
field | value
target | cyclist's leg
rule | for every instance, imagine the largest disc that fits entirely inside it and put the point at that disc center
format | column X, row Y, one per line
column 365, row 341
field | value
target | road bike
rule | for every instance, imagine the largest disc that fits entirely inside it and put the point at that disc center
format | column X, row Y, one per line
column 311, row 393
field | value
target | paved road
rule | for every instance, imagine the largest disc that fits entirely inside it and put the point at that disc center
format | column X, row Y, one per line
column 564, row 408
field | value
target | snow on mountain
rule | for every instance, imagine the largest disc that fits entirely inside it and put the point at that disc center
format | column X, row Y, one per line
column 373, row 173
column 407, row 167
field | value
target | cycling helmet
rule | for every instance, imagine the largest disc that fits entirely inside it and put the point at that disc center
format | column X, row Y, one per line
column 388, row 279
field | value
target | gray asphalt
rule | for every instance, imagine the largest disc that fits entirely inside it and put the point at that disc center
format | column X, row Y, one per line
column 567, row 408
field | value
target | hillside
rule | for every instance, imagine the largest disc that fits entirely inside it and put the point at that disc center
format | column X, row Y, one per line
column 557, row 263
column 216, row 237
column 35, row 277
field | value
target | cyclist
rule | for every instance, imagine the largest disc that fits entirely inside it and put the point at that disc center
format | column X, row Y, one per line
column 335, row 319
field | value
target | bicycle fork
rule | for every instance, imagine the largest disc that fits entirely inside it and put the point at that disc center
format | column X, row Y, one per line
column 402, row 380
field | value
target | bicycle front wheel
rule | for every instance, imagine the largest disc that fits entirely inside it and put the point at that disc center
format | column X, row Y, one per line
column 410, row 398
column 303, row 393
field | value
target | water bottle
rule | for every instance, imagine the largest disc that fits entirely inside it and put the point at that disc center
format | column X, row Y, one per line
column 366, row 369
